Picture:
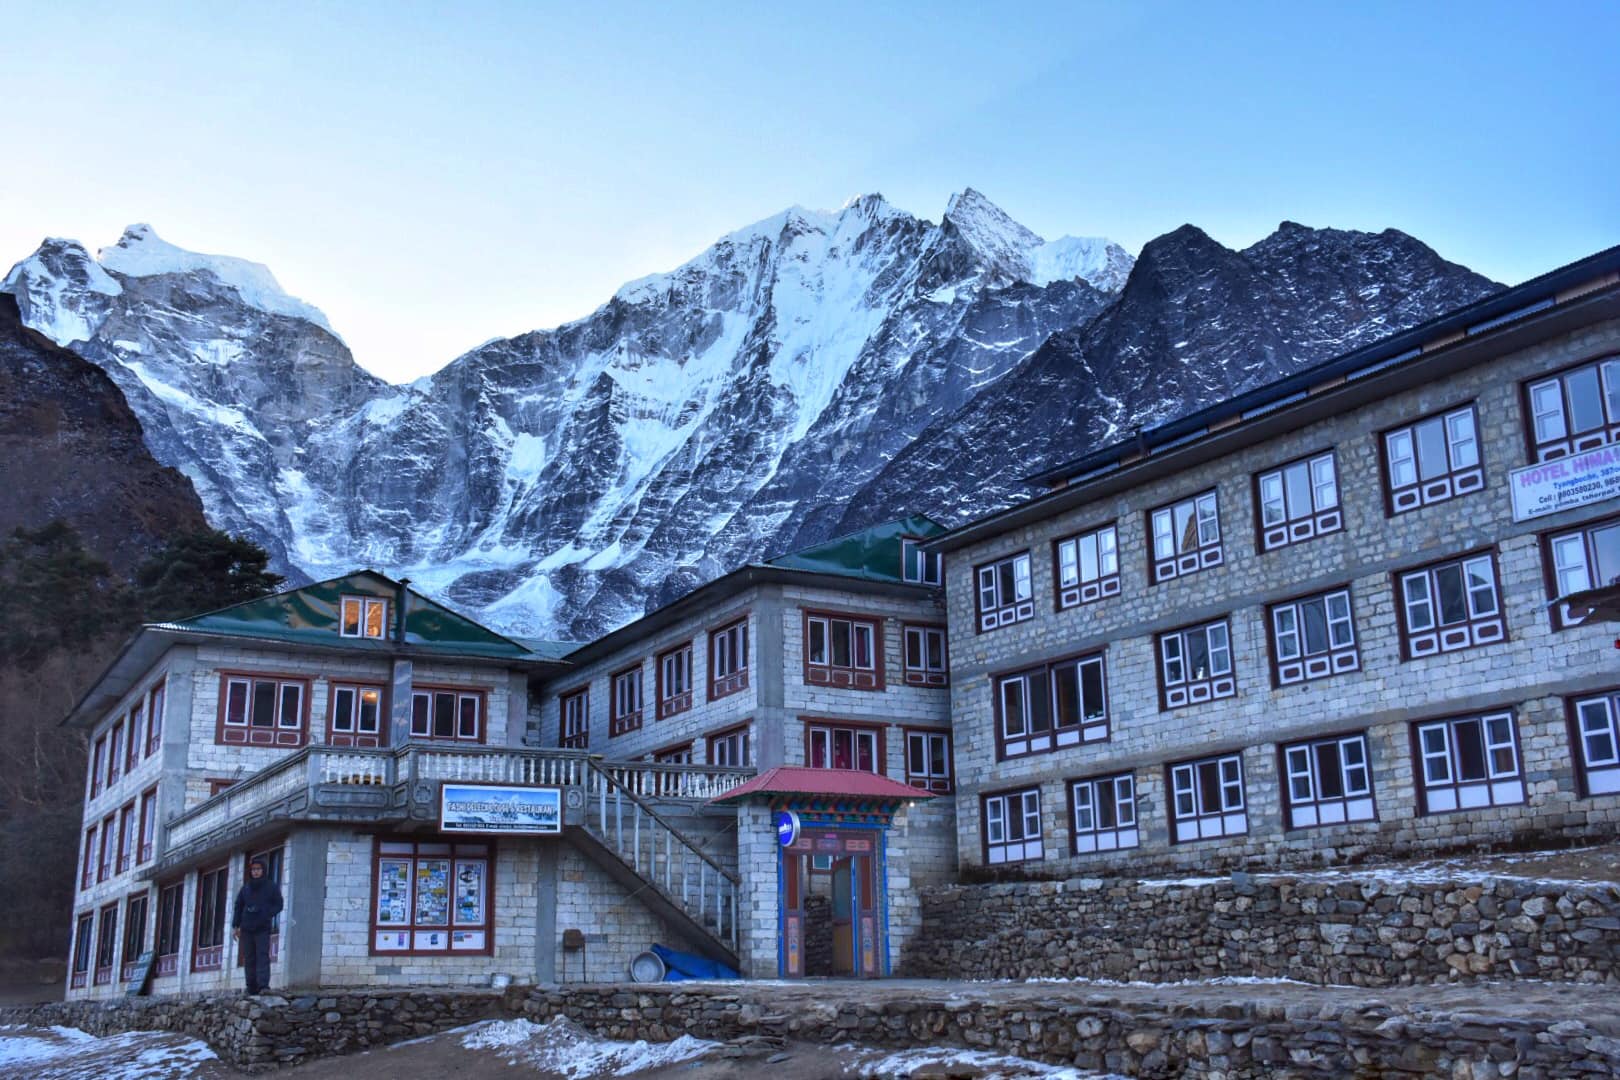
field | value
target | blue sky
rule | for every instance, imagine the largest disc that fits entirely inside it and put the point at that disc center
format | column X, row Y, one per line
column 435, row 175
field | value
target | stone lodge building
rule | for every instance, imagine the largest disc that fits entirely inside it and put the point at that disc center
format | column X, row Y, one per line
column 1312, row 623
column 1343, row 615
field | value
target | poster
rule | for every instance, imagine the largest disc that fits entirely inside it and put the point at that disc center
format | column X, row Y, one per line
column 469, row 893
column 393, row 891
column 432, row 892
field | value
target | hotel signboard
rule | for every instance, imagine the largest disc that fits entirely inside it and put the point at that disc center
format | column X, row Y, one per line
column 500, row 808
column 1565, row 483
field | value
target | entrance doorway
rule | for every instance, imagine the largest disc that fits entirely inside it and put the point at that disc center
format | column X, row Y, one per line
column 831, row 913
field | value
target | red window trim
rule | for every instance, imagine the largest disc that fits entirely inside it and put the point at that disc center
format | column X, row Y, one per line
column 158, row 693
column 148, row 834
column 115, row 752
column 487, row 927
column 126, row 842
column 927, row 783
column 217, row 784
column 1180, row 564
column 132, row 745
column 581, row 739
column 104, row 972
column 1473, row 483
column 280, row 738
column 881, row 749
column 745, row 729
column 108, row 854
column 168, row 963
column 668, row 704
column 923, row 676
column 355, row 737
column 98, row 758
column 737, row 681
column 626, row 723
column 833, row 675
column 128, row 964
column 84, row 929
column 211, row 957
column 481, row 693
column 87, row 872
column 1014, row 610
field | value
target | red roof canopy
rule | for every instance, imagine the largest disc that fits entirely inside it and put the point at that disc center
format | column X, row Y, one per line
column 848, row 783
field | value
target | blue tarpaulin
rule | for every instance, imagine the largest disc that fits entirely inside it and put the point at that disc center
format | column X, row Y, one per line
column 685, row 965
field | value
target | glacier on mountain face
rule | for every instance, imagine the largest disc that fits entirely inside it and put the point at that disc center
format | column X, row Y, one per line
column 805, row 373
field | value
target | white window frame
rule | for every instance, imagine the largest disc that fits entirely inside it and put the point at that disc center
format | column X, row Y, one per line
column 460, row 700
column 1415, row 475
column 1572, row 553
column 1185, row 536
column 1428, row 631
column 290, row 694
column 733, row 744
column 1091, row 801
column 1439, row 748
column 1310, row 767
column 822, row 743
column 1552, row 402
column 1181, row 685
column 1191, row 783
column 1005, row 592
column 1088, row 567
column 1012, row 827
column 931, row 750
column 861, row 639
column 624, row 713
column 574, row 719
column 1298, row 500
column 728, row 659
column 917, row 566
column 1027, row 707
column 1295, row 660
column 353, row 726
column 1595, row 729
column 675, row 680
column 932, row 667
column 368, row 615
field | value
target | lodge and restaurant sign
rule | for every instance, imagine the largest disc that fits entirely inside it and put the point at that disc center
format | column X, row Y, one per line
column 1562, row 484
column 500, row 808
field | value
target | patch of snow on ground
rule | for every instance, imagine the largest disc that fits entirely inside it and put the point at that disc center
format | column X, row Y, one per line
column 61, row 1053
column 985, row 1065
column 1219, row 980
column 563, row 1047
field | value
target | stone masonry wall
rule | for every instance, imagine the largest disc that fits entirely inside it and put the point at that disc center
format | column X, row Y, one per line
column 1533, row 673
column 1147, row 1037
column 1364, row 932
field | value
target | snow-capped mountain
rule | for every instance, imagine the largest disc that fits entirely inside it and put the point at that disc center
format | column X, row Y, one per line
column 795, row 377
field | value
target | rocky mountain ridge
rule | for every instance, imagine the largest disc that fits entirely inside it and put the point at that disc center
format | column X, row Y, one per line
column 806, row 374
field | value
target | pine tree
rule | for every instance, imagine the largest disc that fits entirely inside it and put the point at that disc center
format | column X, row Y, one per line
column 203, row 572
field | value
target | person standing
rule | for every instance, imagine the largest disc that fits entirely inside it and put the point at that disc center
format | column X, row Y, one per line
column 258, row 903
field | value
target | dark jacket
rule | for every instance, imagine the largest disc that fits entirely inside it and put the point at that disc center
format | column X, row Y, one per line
column 257, row 903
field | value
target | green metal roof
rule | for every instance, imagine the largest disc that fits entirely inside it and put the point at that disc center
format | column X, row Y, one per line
column 871, row 554
column 549, row 650
column 310, row 616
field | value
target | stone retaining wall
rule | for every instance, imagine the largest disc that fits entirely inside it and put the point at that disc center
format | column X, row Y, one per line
column 1366, row 932
column 1319, row 1035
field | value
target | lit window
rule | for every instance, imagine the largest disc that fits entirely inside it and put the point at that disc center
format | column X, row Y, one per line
column 1298, row 501
column 1005, row 594
column 1432, row 460
column 843, row 651
column 1088, row 567
column 1328, row 783
column 1313, row 637
column 1195, row 665
column 1207, row 799
column 365, row 617
column 1104, row 813
column 1450, row 606
column 1186, row 537
column 1469, row 762
column 928, row 759
column 356, row 716
column 1012, row 827
column 1575, row 410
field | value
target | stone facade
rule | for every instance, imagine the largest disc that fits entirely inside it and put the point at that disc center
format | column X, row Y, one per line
column 1530, row 675
column 1330, row 930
